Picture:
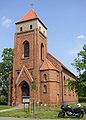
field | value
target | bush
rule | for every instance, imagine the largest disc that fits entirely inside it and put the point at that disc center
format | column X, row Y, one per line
column 84, row 108
column 3, row 100
column 82, row 99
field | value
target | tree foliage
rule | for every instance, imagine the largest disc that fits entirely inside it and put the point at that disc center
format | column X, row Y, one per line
column 5, row 67
column 80, row 64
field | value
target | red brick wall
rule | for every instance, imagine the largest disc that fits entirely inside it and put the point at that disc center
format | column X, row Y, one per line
column 33, row 63
column 55, row 94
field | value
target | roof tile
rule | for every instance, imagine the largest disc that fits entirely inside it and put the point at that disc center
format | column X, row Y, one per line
column 28, row 16
column 47, row 65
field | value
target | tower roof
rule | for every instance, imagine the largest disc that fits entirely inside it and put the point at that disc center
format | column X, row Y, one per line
column 30, row 15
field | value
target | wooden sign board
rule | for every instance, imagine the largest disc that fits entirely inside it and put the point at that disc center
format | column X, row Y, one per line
column 25, row 99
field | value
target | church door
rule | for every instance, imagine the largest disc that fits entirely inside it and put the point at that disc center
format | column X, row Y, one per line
column 25, row 89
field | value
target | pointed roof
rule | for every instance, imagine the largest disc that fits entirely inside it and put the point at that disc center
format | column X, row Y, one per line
column 47, row 65
column 29, row 16
column 27, row 73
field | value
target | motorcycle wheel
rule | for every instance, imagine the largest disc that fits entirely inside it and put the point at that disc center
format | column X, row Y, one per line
column 80, row 115
column 61, row 114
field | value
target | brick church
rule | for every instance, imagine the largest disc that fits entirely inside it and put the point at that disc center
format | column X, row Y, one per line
column 36, row 73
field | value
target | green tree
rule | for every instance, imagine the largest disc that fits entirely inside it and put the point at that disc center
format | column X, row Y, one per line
column 5, row 66
column 80, row 64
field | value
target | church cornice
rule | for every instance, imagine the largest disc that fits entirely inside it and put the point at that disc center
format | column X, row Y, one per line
column 21, row 33
column 50, row 81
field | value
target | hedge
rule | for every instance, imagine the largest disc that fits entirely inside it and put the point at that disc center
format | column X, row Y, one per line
column 3, row 100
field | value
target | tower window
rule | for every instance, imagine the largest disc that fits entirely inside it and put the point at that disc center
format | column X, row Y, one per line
column 26, row 49
column 40, row 28
column 42, row 51
column 45, row 77
column 30, row 26
column 20, row 28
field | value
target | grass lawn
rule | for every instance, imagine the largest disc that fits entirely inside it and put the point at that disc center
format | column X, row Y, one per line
column 40, row 115
column 39, row 112
column 2, row 107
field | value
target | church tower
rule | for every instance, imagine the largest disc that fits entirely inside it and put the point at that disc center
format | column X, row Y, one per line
column 36, row 73
column 30, row 49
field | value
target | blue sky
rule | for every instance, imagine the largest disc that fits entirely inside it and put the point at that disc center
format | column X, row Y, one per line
column 65, row 19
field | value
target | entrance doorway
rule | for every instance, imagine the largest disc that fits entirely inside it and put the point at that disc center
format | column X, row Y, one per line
column 25, row 89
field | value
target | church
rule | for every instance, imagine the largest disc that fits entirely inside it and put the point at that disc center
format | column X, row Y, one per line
column 36, row 73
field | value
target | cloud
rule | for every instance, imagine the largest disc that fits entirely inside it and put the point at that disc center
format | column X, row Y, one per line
column 81, row 36
column 5, row 21
column 76, row 51
column 73, row 52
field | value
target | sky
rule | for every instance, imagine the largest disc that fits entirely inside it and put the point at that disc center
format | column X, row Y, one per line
column 65, row 20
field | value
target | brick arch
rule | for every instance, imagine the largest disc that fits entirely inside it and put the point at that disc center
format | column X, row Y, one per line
column 19, row 90
column 21, row 81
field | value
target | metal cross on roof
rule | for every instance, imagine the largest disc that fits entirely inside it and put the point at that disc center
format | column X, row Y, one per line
column 32, row 5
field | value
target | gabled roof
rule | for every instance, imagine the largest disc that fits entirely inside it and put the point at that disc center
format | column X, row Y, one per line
column 57, row 61
column 47, row 65
column 28, row 16
column 27, row 73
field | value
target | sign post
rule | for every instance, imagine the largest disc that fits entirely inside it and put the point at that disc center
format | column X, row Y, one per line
column 26, row 101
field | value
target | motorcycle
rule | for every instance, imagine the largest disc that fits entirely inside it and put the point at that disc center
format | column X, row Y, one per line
column 69, row 111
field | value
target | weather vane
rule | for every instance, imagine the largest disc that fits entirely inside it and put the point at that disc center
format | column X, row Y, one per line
column 32, row 5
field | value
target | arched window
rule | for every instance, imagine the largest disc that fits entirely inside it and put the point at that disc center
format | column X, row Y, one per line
column 21, row 28
column 45, row 88
column 42, row 51
column 45, row 77
column 26, row 49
